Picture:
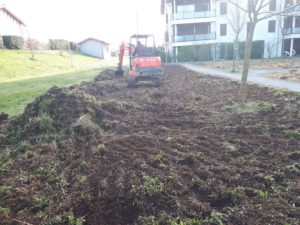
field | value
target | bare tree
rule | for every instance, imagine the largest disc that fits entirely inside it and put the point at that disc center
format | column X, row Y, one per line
column 270, row 46
column 237, row 21
column 257, row 10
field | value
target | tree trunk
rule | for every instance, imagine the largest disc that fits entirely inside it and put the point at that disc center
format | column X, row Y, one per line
column 237, row 49
column 248, row 50
column 235, row 54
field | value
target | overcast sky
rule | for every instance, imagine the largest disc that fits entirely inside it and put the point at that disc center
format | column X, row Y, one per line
column 110, row 20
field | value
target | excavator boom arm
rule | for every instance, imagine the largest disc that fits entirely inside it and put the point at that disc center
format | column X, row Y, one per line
column 123, row 47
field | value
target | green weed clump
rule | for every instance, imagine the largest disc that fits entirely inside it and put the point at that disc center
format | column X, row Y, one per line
column 72, row 220
column 45, row 104
column 216, row 217
column 153, row 185
column 4, row 189
column 40, row 202
column 262, row 194
column 292, row 133
column 45, row 123
column 4, row 210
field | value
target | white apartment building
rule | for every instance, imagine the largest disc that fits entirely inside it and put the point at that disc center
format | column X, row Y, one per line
column 204, row 25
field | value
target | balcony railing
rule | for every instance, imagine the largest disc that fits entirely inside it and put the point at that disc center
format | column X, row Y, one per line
column 291, row 30
column 194, row 15
column 195, row 37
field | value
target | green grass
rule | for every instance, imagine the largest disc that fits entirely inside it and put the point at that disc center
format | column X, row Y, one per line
column 16, row 65
column 22, row 79
column 15, row 95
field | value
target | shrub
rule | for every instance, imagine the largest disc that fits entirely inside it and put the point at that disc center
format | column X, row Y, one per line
column 160, row 51
column 13, row 42
column 58, row 44
column 1, row 43
column 226, row 51
column 202, row 52
column 258, row 48
column 73, row 46
column 185, row 54
column 194, row 53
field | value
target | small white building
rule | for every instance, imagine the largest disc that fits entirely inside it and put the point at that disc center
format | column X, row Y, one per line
column 95, row 47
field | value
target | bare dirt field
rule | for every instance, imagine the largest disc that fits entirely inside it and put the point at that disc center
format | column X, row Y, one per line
column 184, row 153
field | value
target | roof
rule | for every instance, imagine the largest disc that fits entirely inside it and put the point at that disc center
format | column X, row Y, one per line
column 94, row 39
column 11, row 15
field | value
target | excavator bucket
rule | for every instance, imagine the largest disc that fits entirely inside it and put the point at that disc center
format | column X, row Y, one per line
column 119, row 73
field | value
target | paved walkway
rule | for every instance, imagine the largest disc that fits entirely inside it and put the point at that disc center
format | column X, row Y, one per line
column 255, row 76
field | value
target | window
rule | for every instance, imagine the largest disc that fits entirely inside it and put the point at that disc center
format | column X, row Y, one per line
column 288, row 3
column 272, row 6
column 271, row 27
column 167, row 18
column 223, row 29
column 223, row 8
column 297, row 21
column 185, row 8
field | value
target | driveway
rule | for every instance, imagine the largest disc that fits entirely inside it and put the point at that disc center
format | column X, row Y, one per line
column 255, row 76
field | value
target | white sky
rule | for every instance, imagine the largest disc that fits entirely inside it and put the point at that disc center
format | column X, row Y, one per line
column 112, row 21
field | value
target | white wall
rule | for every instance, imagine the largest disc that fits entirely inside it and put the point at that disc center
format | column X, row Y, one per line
column 261, row 31
column 92, row 48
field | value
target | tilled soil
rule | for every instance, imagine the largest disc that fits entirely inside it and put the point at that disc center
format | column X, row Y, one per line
column 183, row 152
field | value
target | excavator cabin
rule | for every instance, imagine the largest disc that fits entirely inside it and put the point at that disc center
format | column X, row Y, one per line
column 143, row 64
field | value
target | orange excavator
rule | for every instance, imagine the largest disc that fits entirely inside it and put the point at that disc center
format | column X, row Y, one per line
column 143, row 64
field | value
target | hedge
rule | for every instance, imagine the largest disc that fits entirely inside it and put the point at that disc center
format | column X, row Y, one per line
column 160, row 51
column 194, row 53
column 73, row 46
column 58, row 44
column 13, row 42
column 226, row 50
column 1, row 43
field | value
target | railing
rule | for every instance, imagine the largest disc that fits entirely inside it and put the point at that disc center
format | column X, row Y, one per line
column 194, row 15
column 291, row 30
column 195, row 37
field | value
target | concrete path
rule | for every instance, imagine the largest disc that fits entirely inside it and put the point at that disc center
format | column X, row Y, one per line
column 255, row 76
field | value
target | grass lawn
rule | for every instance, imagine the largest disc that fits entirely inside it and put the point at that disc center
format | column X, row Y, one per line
column 15, row 95
column 22, row 79
column 16, row 64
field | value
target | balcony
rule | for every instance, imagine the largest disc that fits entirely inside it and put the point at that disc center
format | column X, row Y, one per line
column 195, row 37
column 291, row 30
column 194, row 15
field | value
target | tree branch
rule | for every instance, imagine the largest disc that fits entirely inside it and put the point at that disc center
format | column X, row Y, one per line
column 278, row 13
column 236, row 5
